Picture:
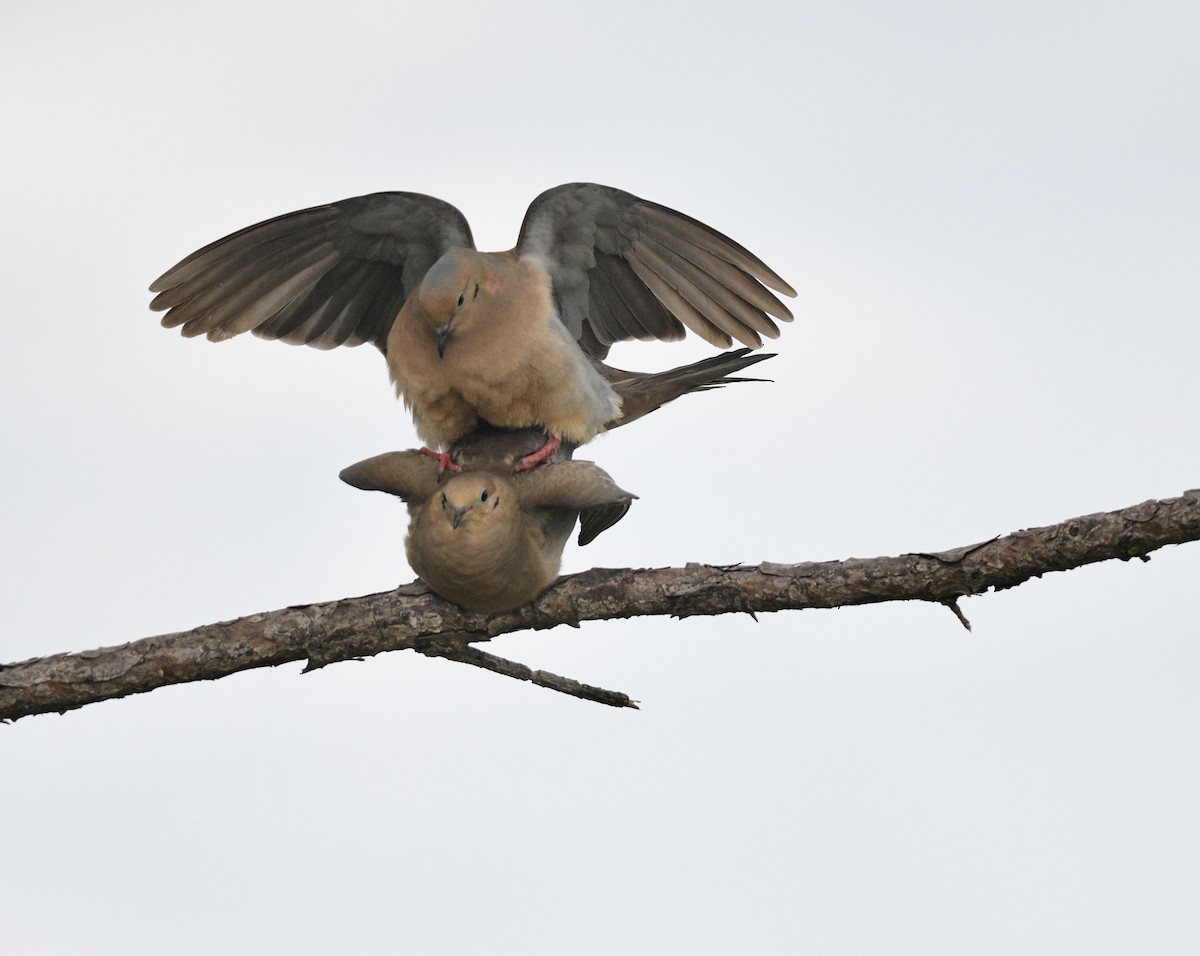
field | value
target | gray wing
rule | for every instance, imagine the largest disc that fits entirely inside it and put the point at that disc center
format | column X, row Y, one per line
column 326, row 276
column 624, row 268
column 579, row 486
column 406, row 474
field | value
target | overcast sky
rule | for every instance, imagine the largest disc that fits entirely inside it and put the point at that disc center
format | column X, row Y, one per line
column 992, row 219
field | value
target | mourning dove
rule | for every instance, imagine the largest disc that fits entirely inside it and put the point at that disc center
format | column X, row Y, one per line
column 486, row 541
column 513, row 338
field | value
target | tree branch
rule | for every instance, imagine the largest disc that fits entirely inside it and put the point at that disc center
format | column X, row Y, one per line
column 412, row 618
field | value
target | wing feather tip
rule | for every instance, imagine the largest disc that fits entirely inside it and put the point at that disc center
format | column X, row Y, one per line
column 782, row 287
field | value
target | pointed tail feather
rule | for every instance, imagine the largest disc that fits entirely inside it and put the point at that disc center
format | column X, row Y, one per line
column 643, row 393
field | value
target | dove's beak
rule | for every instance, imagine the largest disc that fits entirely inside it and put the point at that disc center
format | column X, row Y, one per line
column 458, row 515
column 443, row 333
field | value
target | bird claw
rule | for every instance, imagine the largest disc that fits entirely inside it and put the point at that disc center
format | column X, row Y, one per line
column 445, row 461
column 545, row 453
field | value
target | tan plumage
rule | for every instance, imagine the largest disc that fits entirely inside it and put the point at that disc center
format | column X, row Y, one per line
column 514, row 338
column 490, row 542
column 506, row 359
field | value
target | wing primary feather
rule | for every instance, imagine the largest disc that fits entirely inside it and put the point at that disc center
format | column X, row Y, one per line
column 291, row 226
column 678, row 306
column 308, row 329
column 325, row 298
column 715, row 242
column 298, row 322
column 597, row 519
column 377, row 330
column 209, row 294
column 258, row 301
column 717, row 287
column 608, row 315
column 648, row 319
column 332, row 296
column 253, row 299
column 727, row 273
column 701, row 302
column 216, row 276
column 365, row 302
column 619, row 319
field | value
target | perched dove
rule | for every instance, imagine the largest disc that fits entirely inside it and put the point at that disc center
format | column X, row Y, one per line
column 515, row 338
column 485, row 540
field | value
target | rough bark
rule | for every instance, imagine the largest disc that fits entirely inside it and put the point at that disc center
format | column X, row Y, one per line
column 412, row 618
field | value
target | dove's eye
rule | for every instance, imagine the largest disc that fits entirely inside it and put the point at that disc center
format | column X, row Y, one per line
column 462, row 296
column 483, row 495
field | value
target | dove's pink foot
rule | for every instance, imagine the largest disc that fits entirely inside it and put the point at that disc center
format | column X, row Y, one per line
column 545, row 453
column 445, row 460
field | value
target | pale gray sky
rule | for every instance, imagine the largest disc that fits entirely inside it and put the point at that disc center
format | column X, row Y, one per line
column 992, row 218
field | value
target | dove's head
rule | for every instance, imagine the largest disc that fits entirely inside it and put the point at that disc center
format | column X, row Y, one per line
column 453, row 292
column 474, row 502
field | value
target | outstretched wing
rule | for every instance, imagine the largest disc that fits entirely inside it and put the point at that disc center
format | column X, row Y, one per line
column 405, row 474
column 579, row 486
column 624, row 268
column 326, row 276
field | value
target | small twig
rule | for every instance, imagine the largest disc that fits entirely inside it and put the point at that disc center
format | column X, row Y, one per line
column 466, row 654
column 962, row 618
